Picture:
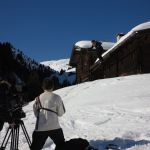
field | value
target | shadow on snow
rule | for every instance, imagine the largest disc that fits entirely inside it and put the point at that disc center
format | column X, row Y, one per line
column 122, row 143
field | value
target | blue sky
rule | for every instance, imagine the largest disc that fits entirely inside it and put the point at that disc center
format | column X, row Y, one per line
column 47, row 29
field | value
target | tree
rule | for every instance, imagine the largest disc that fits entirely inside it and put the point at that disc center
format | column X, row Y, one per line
column 33, row 85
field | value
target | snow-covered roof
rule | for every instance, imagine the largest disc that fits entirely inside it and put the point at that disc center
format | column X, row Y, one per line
column 140, row 27
column 88, row 44
column 107, row 45
column 84, row 44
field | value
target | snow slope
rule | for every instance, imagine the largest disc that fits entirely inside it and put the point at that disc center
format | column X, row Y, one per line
column 58, row 64
column 115, row 110
column 62, row 64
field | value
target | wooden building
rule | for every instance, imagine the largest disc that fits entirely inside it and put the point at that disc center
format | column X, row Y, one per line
column 130, row 55
column 83, row 57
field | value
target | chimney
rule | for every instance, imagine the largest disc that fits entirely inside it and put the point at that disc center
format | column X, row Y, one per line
column 119, row 35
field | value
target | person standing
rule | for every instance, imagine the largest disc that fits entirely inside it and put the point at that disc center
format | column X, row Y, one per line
column 47, row 108
column 99, row 49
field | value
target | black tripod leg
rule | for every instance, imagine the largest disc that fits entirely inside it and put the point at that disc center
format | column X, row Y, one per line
column 17, row 138
column 26, row 134
column 14, row 133
column 14, row 138
column 6, row 138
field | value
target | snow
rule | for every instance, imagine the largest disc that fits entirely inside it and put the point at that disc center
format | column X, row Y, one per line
column 142, row 26
column 84, row 44
column 115, row 110
column 88, row 44
column 107, row 45
column 107, row 53
column 58, row 64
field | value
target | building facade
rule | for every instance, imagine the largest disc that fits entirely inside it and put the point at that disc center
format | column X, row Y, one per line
column 129, row 55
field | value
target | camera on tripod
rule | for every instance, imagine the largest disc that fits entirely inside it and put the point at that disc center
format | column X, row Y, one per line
column 12, row 99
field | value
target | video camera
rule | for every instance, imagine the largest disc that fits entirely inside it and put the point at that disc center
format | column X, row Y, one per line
column 12, row 99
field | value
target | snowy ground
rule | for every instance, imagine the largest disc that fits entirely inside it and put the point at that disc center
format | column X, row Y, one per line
column 105, row 111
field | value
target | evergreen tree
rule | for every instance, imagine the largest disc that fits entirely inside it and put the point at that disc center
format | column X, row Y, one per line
column 33, row 85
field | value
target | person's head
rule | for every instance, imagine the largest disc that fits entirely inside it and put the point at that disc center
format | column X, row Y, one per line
column 48, row 84
column 93, row 43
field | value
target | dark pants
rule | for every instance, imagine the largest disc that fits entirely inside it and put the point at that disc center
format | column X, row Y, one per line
column 39, row 138
column 1, row 124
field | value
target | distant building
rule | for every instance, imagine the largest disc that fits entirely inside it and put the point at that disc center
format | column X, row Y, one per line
column 129, row 55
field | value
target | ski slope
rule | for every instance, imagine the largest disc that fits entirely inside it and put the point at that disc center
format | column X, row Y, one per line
column 115, row 110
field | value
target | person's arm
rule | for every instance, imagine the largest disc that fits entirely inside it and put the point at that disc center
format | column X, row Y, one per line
column 35, row 108
column 60, row 107
column 1, row 124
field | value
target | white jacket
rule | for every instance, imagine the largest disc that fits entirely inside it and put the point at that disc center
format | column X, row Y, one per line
column 48, row 120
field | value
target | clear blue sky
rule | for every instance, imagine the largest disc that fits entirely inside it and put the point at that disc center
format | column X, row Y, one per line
column 47, row 29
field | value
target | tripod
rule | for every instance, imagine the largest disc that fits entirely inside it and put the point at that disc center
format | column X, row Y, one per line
column 13, row 132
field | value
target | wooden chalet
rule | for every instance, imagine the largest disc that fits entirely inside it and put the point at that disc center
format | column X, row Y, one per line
column 130, row 55
column 83, row 57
